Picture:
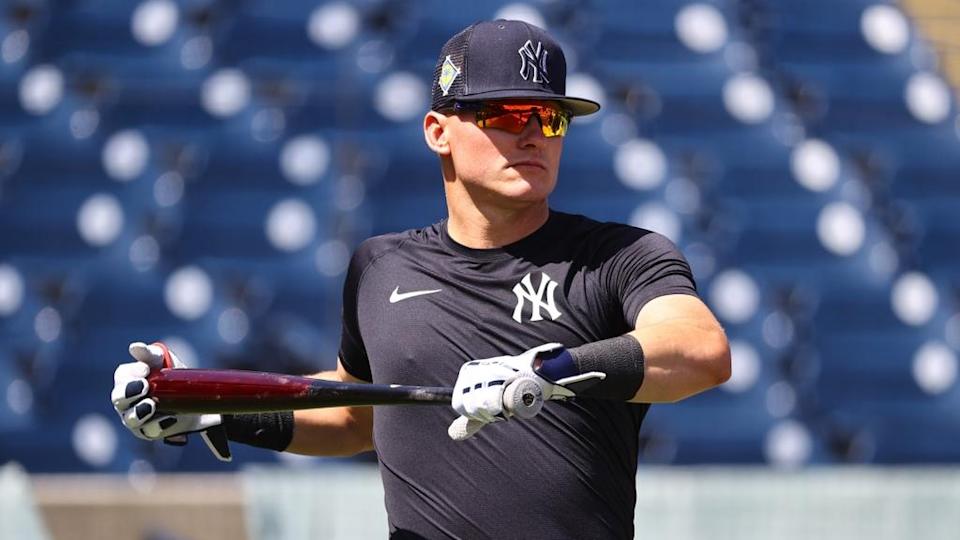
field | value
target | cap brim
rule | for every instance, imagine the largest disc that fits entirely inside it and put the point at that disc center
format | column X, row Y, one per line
column 577, row 106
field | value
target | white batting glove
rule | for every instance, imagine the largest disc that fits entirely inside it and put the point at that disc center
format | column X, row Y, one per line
column 138, row 410
column 478, row 392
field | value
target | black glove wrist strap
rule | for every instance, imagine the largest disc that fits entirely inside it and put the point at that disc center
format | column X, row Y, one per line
column 273, row 431
column 620, row 358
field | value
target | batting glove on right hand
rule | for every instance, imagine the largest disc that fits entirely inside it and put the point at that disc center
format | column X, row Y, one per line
column 478, row 395
column 138, row 410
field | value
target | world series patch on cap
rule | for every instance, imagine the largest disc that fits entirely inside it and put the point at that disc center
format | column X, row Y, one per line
column 503, row 60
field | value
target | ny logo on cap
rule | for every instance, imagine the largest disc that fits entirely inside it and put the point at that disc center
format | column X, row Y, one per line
column 533, row 62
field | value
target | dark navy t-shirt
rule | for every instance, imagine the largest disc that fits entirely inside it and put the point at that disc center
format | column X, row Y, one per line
column 418, row 305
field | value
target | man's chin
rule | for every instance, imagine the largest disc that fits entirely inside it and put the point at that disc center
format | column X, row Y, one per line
column 536, row 180
column 527, row 192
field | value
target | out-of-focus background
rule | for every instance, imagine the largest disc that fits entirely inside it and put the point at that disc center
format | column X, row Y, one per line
column 199, row 171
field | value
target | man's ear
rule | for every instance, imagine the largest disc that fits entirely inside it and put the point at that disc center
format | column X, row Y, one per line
column 435, row 133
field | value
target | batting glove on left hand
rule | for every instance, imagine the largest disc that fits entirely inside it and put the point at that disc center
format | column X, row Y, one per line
column 138, row 410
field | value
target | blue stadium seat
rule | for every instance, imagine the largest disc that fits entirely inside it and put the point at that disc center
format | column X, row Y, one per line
column 51, row 157
column 408, row 191
column 936, row 234
column 588, row 182
column 231, row 224
column 776, row 237
column 710, row 434
column 729, row 172
column 121, row 305
column 172, row 102
column 262, row 28
column 901, row 431
column 632, row 30
column 128, row 82
column 40, row 225
column 11, row 416
column 95, row 35
column 273, row 41
column 867, row 365
column 438, row 23
column 801, row 31
column 13, row 114
column 914, row 163
column 231, row 162
column 867, row 98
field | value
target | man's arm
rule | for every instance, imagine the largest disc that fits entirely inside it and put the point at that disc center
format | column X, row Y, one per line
column 677, row 349
column 684, row 347
column 334, row 431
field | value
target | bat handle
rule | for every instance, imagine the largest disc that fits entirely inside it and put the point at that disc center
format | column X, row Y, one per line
column 522, row 398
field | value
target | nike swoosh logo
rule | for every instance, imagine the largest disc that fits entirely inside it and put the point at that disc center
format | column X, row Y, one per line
column 397, row 296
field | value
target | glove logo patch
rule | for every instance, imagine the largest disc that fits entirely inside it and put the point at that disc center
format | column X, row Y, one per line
column 541, row 298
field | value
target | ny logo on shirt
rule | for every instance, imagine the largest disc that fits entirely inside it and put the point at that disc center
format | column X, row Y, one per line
column 541, row 298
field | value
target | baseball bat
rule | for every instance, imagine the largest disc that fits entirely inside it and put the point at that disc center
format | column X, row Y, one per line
column 234, row 391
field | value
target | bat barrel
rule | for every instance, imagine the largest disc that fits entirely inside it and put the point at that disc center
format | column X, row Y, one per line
column 234, row 391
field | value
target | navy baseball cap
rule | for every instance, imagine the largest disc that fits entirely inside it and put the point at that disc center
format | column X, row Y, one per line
column 503, row 60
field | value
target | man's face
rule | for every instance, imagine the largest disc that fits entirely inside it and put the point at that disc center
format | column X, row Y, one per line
column 502, row 167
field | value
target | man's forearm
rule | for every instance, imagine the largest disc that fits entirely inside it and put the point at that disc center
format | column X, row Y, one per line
column 682, row 358
column 333, row 431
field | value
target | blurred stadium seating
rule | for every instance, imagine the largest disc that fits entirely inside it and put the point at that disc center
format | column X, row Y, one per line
column 199, row 171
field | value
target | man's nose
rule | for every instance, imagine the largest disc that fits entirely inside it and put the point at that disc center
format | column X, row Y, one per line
column 533, row 130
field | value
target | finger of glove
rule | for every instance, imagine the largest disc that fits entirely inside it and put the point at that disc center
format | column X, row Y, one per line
column 555, row 391
column 164, row 352
column 204, row 421
column 216, row 440
column 471, row 403
column 464, row 402
column 578, row 383
column 176, row 440
column 484, row 404
column 457, row 401
column 524, row 362
column 124, row 392
column 489, row 368
column 151, row 355
column 520, row 365
column 164, row 427
column 474, row 380
column 136, row 416
column 130, row 371
column 462, row 428
column 493, row 402
column 170, row 426
column 137, row 434
column 472, row 373
column 540, row 349
column 127, row 392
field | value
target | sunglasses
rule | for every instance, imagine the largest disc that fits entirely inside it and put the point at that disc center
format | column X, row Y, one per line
column 513, row 117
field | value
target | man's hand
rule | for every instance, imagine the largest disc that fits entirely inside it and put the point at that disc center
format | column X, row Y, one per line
column 138, row 410
column 479, row 391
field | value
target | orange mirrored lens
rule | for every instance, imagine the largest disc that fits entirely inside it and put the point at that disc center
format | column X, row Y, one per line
column 514, row 117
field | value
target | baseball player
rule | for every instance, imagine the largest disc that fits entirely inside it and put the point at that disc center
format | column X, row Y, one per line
column 605, row 317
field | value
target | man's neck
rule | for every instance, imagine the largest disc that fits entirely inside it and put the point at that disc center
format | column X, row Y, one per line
column 493, row 228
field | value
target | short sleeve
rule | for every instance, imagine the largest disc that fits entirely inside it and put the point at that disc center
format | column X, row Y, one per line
column 353, row 353
column 649, row 267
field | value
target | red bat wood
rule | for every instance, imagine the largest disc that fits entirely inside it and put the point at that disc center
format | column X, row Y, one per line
column 236, row 391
